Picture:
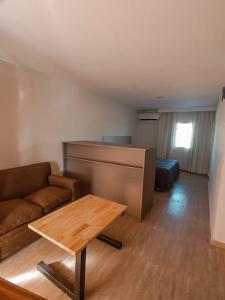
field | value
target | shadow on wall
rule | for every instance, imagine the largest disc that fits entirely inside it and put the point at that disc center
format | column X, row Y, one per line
column 15, row 149
column 2, row 1
column 9, row 150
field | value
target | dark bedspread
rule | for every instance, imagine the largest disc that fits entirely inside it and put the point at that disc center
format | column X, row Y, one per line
column 167, row 172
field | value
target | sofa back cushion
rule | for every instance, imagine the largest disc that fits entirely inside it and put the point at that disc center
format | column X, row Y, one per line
column 22, row 181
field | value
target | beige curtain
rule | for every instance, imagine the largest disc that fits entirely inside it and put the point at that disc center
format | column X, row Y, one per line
column 164, row 135
column 196, row 159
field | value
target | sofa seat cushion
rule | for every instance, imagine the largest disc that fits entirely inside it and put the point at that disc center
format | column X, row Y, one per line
column 50, row 197
column 16, row 212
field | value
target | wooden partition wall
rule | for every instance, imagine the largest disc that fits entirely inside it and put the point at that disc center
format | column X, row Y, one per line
column 121, row 173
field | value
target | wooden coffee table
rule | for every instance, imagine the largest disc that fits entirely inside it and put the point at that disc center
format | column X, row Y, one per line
column 72, row 228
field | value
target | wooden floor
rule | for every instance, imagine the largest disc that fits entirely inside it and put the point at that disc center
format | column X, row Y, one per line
column 166, row 257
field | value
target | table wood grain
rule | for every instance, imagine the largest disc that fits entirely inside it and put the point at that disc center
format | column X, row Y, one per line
column 73, row 226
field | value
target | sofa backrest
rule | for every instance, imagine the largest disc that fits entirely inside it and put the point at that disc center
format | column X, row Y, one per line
column 22, row 181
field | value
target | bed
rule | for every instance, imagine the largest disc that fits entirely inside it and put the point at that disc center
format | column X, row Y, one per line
column 167, row 172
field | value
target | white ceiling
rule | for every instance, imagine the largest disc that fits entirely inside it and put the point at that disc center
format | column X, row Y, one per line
column 135, row 51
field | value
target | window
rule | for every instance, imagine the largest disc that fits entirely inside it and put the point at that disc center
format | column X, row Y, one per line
column 183, row 138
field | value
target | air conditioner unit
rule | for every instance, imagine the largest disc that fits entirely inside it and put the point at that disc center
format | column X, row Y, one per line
column 148, row 116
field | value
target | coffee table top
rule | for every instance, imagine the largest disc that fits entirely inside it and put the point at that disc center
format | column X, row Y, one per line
column 73, row 226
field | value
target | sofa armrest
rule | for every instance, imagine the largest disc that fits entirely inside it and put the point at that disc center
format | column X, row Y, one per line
column 66, row 182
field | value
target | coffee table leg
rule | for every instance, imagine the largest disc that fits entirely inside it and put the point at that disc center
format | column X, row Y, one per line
column 76, row 291
column 55, row 278
column 108, row 240
column 79, row 288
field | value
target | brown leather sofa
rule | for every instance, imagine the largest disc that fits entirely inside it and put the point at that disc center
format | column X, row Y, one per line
column 28, row 193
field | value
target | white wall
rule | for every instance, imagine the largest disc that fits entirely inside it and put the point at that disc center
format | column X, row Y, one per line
column 217, row 178
column 38, row 113
column 146, row 133
column 9, row 155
